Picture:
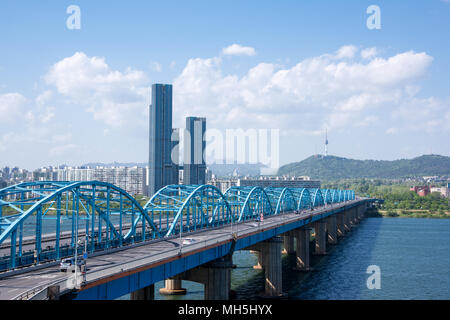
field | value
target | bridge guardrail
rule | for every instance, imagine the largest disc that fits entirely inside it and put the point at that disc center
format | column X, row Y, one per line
column 40, row 292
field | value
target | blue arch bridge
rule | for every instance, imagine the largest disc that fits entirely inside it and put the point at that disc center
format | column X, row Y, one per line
column 184, row 232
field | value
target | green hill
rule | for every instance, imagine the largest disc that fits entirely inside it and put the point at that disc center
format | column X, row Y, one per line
column 332, row 168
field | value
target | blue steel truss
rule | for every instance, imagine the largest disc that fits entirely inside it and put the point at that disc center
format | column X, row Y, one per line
column 281, row 199
column 316, row 197
column 93, row 216
column 248, row 203
column 187, row 208
column 303, row 198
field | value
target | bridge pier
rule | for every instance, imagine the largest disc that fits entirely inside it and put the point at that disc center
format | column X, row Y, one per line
column 361, row 211
column 320, row 238
column 216, row 277
column 347, row 225
column 271, row 258
column 259, row 264
column 288, row 244
column 332, row 229
column 354, row 216
column 340, row 224
column 147, row 293
column 302, row 236
column 173, row 286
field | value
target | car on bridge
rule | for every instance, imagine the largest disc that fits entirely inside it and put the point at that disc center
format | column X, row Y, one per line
column 69, row 264
column 188, row 240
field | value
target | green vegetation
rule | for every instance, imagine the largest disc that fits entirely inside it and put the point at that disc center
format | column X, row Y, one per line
column 331, row 167
column 399, row 201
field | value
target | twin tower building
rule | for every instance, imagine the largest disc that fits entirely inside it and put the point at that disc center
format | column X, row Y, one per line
column 164, row 144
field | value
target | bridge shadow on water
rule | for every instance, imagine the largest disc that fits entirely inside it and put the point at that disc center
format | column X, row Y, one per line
column 339, row 275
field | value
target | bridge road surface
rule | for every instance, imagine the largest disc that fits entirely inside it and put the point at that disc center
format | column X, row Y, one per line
column 29, row 242
column 134, row 256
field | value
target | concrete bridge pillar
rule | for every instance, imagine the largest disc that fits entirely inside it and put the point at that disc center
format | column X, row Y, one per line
column 173, row 286
column 259, row 265
column 321, row 242
column 362, row 210
column 302, row 236
column 216, row 277
column 288, row 244
column 340, row 224
column 355, row 215
column 271, row 258
column 147, row 293
column 332, row 229
column 347, row 225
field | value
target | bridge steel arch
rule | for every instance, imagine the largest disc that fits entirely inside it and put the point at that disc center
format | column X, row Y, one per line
column 303, row 198
column 316, row 198
column 335, row 195
column 281, row 199
column 107, row 213
column 185, row 208
column 248, row 202
column 327, row 197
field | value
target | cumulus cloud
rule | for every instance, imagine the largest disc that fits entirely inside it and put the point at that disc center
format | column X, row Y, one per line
column 12, row 107
column 114, row 97
column 346, row 52
column 332, row 90
column 369, row 53
column 156, row 66
column 238, row 50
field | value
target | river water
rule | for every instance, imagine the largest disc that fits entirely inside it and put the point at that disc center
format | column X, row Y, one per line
column 413, row 256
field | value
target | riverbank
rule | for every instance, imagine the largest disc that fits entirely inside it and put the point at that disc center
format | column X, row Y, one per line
column 402, row 213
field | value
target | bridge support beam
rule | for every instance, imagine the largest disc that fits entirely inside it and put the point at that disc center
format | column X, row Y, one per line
column 321, row 242
column 361, row 211
column 288, row 244
column 173, row 286
column 302, row 236
column 259, row 264
column 355, row 219
column 340, row 224
column 216, row 277
column 332, row 229
column 347, row 226
column 271, row 258
column 147, row 293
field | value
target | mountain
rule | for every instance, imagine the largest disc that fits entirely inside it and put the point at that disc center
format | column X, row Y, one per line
column 331, row 167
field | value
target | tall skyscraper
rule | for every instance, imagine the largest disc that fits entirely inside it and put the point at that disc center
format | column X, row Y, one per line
column 194, row 149
column 162, row 170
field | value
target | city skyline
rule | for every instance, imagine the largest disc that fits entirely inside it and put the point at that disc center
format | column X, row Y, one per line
column 70, row 99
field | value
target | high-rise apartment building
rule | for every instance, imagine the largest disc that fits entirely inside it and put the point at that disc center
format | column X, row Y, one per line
column 162, row 170
column 194, row 148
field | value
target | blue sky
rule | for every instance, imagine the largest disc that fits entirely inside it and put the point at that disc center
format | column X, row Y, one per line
column 76, row 96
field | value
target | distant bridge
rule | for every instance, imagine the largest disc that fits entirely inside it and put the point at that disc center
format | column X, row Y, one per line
column 43, row 222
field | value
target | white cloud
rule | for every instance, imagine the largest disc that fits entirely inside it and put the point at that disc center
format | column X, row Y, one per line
column 114, row 97
column 346, row 52
column 332, row 90
column 156, row 66
column 238, row 50
column 429, row 115
column 12, row 107
column 369, row 53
